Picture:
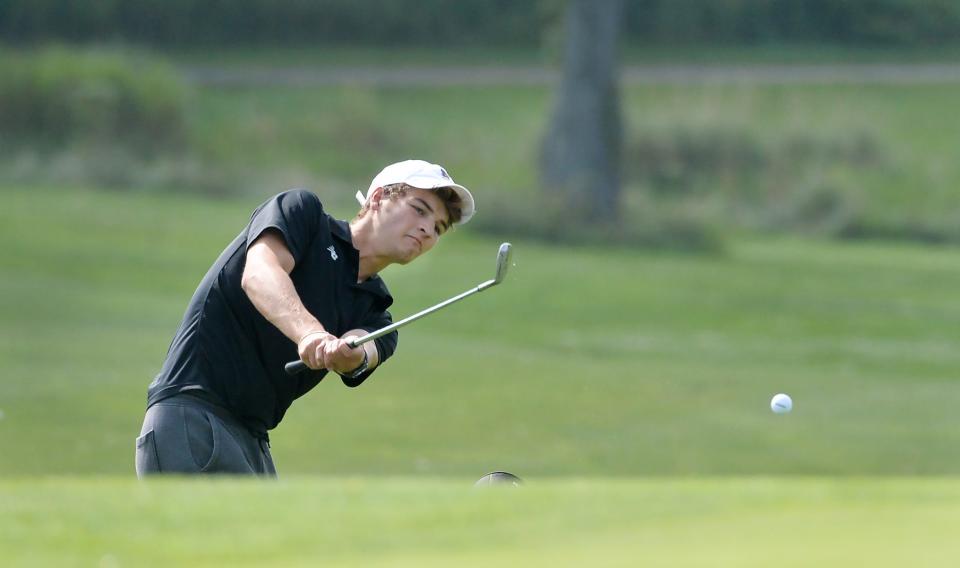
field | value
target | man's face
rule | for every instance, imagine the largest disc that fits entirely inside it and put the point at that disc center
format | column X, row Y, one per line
column 410, row 224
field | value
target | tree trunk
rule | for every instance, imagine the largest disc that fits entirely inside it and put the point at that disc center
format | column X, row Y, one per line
column 580, row 160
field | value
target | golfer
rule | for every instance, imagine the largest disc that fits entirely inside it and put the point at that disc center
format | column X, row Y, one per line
column 294, row 283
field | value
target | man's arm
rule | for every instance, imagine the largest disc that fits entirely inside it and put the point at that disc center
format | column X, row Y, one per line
column 266, row 281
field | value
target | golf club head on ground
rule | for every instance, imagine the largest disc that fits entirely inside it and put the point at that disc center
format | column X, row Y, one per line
column 501, row 478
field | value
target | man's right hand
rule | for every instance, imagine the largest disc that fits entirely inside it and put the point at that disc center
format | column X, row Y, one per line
column 313, row 348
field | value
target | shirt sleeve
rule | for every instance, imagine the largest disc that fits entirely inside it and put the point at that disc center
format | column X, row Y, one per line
column 297, row 214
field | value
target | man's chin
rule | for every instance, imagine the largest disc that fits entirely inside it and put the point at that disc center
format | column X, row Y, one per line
column 410, row 257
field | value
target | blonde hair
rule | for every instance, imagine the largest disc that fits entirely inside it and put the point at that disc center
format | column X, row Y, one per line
column 449, row 197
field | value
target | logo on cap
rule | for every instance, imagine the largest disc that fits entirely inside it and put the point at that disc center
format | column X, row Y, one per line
column 444, row 173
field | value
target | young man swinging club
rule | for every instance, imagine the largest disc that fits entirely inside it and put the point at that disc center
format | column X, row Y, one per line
column 294, row 283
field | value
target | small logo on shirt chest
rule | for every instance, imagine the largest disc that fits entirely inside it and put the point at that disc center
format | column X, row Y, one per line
column 333, row 252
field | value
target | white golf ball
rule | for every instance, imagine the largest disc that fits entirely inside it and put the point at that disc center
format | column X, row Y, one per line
column 781, row 403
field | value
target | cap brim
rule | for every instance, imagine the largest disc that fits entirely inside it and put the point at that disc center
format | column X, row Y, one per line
column 468, row 207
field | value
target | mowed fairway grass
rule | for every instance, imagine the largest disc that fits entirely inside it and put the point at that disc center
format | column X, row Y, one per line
column 738, row 523
column 629, row 388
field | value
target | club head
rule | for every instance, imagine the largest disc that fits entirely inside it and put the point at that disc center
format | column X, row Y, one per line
column 503, row 263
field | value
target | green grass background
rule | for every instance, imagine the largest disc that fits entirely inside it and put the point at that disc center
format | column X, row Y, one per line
column 588, row 362
column 630, row 388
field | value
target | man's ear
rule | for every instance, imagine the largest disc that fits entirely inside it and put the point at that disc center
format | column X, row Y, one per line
column 376, row 198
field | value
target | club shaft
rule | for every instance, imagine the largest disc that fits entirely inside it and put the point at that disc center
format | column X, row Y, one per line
column 295, row 367
column 396, row 325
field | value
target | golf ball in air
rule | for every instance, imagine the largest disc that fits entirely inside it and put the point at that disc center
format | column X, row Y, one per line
column 781, row 403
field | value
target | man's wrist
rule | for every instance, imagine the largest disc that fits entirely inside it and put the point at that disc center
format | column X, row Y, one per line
column 361, row 369
column 314, row 332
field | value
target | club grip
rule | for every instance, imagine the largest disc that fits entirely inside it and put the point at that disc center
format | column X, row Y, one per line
column 295, row 367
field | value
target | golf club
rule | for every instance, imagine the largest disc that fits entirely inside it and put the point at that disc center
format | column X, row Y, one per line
column 503, row 261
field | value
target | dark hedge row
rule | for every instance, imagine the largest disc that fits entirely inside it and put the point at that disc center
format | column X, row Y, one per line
column 864, row 22
column 473, row 22
column 232, row 22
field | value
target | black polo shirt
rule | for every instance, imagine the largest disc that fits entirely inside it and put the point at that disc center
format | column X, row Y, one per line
column 228, row 351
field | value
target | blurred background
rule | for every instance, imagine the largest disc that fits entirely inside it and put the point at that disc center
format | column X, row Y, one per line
column 710, row 202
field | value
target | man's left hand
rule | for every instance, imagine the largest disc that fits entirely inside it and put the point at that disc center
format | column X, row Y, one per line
column 339, row 357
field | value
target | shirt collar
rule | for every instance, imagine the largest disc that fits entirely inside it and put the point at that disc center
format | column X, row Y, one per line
column 341, row 230
column 374, row 284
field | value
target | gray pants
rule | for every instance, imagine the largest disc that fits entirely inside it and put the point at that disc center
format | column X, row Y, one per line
column 184, row 434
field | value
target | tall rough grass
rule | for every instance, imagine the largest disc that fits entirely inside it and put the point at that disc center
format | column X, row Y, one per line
column 55, row 98
column 731, row 173
column 100, row 117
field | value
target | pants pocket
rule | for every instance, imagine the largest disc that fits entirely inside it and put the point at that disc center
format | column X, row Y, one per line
column 147, row 461
column 203, row 437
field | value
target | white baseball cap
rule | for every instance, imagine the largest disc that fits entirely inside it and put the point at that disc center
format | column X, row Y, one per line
column 423, row 175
